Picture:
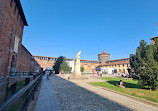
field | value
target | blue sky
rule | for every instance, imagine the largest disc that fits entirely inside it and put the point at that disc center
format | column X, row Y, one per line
column 63, row 27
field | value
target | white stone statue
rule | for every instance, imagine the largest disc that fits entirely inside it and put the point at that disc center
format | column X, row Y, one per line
column 77, row 64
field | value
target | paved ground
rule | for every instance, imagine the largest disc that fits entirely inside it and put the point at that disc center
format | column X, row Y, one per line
column 47, row 99
column 80, row 96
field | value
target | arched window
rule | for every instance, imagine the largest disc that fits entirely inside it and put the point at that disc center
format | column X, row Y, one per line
column 13, row 65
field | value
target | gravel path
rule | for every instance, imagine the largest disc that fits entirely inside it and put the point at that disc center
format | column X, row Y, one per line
column 74, row 98
column 80, row 96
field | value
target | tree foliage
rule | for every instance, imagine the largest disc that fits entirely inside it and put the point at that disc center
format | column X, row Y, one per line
column 61, row 65
column 64, row 67
column 82, row 69
column 145, row 65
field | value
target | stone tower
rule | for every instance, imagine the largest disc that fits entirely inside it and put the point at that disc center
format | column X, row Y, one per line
column 103, row 57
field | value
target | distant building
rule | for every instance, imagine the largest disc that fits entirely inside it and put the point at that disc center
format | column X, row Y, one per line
column 153, row 40
column 107, row 65
column 103, row 57
column 71, row 63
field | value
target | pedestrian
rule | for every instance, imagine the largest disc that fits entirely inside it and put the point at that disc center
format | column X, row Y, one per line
column 48, row 73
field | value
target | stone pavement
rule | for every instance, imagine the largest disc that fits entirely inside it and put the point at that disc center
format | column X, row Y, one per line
column 47, row 100
column 80, row 96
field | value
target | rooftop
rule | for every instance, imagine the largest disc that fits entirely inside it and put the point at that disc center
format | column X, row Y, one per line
column 104, row 53
column 154, row 37
column 18, row 4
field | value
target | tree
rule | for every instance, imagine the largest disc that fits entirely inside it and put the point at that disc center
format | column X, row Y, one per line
column 57, row 64
column 64, row 67
column 82, row 69
column 61, row 64
column 145, row 65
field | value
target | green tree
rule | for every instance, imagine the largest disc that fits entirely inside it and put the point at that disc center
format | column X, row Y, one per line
column 61, row 65
column 82, row 69
column 64, row 67
column 145, row 65
column 58, row 63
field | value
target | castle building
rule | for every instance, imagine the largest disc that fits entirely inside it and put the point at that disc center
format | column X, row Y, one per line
column 103, row 57
column 107, row 65
column 14, row 57
column 153, row 40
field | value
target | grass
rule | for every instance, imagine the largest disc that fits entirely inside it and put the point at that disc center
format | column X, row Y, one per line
column 20, row 85
column 131, row 88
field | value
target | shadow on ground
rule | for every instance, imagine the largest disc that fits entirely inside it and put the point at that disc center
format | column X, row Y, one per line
column 72, row 97
column 128, row 85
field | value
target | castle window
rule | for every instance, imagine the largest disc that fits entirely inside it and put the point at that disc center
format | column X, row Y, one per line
column 11, row 34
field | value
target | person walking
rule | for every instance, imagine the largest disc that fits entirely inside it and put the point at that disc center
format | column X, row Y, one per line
column 48, row 73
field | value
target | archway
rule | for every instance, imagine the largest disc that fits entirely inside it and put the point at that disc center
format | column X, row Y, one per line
column 13, row 65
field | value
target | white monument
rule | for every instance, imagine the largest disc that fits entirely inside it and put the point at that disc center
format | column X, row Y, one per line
column 77, row 75
column 77, row 64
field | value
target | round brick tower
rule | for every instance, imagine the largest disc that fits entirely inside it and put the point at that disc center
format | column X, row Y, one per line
column 103, row 57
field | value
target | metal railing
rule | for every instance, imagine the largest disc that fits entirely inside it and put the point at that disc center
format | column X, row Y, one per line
column 20, row 100
column 20, row 74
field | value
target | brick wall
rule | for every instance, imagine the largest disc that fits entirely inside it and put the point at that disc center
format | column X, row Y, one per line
column 45, row 62
column 12, row 22
column 89, row 67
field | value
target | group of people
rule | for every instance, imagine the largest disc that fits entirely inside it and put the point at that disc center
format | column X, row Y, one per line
column 48, row 74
